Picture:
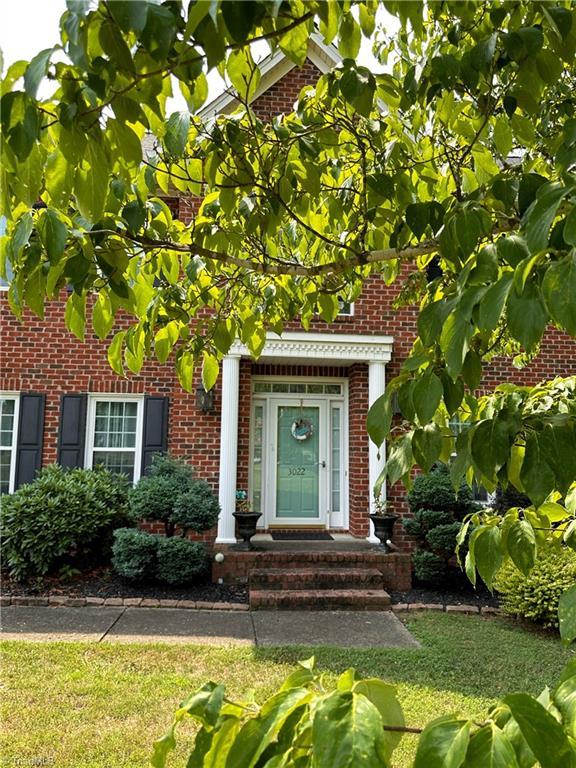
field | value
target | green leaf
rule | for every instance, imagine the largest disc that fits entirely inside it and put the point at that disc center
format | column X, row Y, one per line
column 521, row 545
column 536, row 475
column 454, row 341
column 492, row 303
column 36, row 71
column 383, row 696
column 242, row 71
column 134, row 214
column 102, row 315
column 490, row 748
column 527, row 315
column 347, row 732
column 427, row 445
column 503, row 135
column 529, row 185
column 426, row 395
column 185, row 369
column 542, row 731
column 567, row 615
column 559, row 290
column 92, row 179
column 176, row 136
column 130, row 15
column 443, row 743
column 488, row 553
column 539, row 217
column 490, row 445
column 239, row 18
column 256, row 734
column 115, row 356
column 472, row 369
column 210, row 370
column 379, row 419
column 295, row 43
column 417, row 218
column 21, row 235
column 113, row 43
column 53, row 233
column 453, row 392
column 350, row 37
column 75, row 315
column 569, row 232
column 400, row 459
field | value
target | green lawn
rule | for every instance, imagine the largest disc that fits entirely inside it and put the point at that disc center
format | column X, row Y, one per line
column 80, row 705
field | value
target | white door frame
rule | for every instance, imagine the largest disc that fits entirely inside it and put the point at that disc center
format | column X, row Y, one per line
column 270, row 401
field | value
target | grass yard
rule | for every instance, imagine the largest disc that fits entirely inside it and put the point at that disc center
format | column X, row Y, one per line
column 80, row 705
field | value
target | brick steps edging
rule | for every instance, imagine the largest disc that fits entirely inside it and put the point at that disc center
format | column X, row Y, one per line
column 139, row 602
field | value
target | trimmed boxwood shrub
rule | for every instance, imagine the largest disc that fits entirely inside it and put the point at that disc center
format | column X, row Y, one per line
column 437, row 510
column 134, row 553
column 180, row 560
column 171, row 494
column 63, row 511
column 536, row 595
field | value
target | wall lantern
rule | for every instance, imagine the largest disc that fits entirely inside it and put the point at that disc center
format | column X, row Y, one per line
column 204, row 399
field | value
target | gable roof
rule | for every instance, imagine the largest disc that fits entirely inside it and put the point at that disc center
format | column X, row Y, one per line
column 272, row 69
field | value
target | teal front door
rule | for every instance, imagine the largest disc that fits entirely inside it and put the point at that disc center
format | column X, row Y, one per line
column 300, row 477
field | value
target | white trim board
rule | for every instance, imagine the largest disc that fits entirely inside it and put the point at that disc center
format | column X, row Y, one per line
column 338, row 348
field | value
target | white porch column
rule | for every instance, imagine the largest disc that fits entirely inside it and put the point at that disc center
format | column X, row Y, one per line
column 228, row 449
column 376, row 458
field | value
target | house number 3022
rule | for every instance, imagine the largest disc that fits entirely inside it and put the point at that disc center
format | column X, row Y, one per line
column 296, row 470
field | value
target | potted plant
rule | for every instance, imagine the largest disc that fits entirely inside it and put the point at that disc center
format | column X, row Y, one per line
column 246, row 519
column 383, row 522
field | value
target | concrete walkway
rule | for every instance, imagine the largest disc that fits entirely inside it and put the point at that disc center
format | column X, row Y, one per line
column 349, row 629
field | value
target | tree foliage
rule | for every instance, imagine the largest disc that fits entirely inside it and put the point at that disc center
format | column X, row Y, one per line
column 359, row 724
column 462, row 153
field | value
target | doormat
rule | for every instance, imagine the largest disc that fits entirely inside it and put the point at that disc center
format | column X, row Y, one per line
column 301, row 536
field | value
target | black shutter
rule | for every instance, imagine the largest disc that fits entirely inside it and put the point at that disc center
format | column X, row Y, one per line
column 30, row 437
column 155, row 434
column 72, row 430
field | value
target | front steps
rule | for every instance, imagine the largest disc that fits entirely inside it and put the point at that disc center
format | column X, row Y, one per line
column 304, row 581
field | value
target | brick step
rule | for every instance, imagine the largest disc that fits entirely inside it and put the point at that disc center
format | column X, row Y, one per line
column 320, row 577
column 319, row 600
column 288, row 559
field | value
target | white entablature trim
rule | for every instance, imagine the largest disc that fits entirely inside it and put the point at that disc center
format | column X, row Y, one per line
column 322, row 347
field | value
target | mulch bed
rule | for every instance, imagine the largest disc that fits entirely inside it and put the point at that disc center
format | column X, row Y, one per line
column 102, row 582
column 457, row 591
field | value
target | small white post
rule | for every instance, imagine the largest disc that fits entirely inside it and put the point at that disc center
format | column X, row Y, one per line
column 377, row 457
column 228, row 449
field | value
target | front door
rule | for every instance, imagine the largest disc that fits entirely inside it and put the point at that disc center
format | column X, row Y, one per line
column 299, row 450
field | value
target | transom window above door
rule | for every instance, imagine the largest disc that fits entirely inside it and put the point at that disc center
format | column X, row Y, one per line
column 296, row 388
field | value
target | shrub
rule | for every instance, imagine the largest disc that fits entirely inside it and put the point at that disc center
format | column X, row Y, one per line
column 171, row 494
column 180, row 560
column 61, row 511
column 196, row 509
column 134, row 553
column 428, row 566
column 437, row 510
column 536, row 595
column 435, row 491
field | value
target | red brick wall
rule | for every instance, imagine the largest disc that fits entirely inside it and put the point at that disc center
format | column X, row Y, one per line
column 41, row 356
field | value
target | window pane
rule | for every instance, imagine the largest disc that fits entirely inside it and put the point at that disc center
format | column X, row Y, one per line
column 315, row 389
column 115, row 424
column 5, row 460
column 262, row 386
column 121, row 462
column 297, row 388
column 333, row 389
column 258, row 437
column 336, row 461
column 7, row 408
column 281, row 386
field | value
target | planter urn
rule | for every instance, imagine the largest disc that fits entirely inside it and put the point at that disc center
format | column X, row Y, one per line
column 383, row 528
column 246, row 527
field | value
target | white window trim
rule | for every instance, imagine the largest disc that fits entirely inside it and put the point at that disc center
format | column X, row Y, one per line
column 350, row 312
column 91, row 424
column 16, row 397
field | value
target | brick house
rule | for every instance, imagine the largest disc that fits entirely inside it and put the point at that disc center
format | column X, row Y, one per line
column 289, row 427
